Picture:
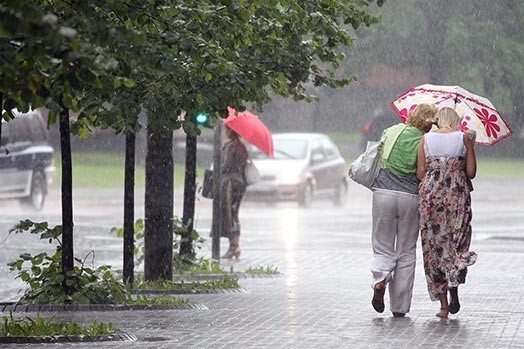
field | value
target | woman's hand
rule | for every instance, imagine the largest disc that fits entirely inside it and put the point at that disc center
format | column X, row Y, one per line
column 469, row 138
column 471, row 160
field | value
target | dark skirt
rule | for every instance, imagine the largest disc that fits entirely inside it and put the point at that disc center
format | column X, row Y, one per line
column 232, row 191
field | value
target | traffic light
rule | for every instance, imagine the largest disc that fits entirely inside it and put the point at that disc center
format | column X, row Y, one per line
column 202, row 119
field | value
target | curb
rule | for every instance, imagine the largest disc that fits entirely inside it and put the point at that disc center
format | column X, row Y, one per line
column 120, row 337
column 204, row 277
column 189, row 291
column 33, row 308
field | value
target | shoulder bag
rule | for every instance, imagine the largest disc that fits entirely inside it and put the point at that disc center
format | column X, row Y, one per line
column 366, row 167
column 251, row 173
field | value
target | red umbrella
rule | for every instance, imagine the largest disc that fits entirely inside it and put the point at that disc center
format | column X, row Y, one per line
column 251, row 128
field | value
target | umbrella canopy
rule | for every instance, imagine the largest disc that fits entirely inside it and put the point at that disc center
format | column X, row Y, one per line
column 251, row 128
column 477, row 112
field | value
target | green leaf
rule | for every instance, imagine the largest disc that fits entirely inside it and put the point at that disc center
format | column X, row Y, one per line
column 129, row 83
column 26, row 256
column 24, row 276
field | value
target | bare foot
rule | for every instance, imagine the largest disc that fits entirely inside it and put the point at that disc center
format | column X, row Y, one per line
column 443, row 313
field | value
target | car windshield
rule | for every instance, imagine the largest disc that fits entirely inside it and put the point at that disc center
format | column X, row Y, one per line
column 284, row 149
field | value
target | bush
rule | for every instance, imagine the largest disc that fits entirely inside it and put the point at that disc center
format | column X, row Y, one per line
column 48, row 284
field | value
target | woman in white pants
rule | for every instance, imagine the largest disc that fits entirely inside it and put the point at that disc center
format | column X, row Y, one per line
column 395, row 212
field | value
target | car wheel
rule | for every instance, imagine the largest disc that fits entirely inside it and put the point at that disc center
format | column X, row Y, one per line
column 341, row 194
column 305, row 198
column 38, row 192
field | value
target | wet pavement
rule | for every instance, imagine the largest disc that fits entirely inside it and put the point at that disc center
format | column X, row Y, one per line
column 323, row 298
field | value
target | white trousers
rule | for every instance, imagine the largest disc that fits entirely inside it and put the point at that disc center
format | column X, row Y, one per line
column 394, row 241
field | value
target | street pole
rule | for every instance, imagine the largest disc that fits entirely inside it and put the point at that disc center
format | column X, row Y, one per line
column 216, row 226
column 186, row 244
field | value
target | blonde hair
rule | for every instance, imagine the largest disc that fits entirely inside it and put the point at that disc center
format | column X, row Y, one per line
column 448, row 117
column 422, row 117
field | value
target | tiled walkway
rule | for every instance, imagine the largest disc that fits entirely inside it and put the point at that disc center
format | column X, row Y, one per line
column 323, row 300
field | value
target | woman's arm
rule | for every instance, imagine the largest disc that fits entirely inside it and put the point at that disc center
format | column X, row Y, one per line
column 471, row 159
column 421, row 160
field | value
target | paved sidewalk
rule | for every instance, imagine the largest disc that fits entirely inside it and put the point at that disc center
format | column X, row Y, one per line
column 323, row 300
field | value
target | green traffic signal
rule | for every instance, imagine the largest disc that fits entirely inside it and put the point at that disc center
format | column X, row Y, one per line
column 202, row 119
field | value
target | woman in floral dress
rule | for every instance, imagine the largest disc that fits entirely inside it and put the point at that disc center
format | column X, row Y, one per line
column 446, row 164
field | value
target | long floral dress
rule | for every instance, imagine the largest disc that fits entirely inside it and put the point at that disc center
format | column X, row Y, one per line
column 445, row 217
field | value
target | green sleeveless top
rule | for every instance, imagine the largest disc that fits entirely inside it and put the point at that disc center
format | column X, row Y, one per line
column 400, row 157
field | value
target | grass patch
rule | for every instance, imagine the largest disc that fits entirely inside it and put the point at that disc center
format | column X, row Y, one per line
column 159, row 300
column 222, row 283
column 503, row 167
column 197, row 266
column 106, row 170
column 340, row 137
column 41, row 327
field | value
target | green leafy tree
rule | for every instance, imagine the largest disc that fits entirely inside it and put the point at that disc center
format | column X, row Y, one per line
column 174, row 58
column 232, row 53
column 55, row 54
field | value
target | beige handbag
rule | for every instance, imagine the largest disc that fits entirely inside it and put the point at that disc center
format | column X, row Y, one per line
column 251, row 173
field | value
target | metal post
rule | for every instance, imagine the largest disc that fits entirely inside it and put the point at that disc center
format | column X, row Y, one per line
column 216, row 226
column 186, row 245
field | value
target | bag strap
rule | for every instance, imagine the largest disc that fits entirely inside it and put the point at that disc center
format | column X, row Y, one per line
column 389, row 138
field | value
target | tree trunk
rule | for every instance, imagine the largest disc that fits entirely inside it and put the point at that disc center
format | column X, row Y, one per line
column 158, row 240
column 186, row 245
column 129, row 209
column 67, row 195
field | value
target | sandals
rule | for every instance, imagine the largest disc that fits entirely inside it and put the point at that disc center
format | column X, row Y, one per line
column 441, row 314
column 378, row 297
column 454, row 304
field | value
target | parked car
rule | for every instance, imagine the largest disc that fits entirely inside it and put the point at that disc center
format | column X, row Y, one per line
column 305, row 166
column 26, row 160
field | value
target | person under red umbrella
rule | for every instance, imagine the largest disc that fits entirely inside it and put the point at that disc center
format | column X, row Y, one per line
column 232, row 189
column 251, row 128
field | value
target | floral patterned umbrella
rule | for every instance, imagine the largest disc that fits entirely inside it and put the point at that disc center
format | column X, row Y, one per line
column 477, row 112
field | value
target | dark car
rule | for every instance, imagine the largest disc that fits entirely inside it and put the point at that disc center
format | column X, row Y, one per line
column 26, row 159
column 305, row 166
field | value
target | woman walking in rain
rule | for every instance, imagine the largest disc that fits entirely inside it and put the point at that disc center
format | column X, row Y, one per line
column 395, row 212
column 446, row 164
column 233, row 187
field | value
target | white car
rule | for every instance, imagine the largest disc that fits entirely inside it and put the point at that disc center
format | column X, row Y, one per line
column 305, row 166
